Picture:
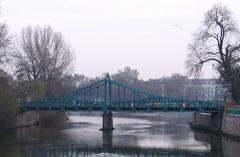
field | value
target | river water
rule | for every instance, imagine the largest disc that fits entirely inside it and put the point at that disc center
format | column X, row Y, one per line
column 135, row 135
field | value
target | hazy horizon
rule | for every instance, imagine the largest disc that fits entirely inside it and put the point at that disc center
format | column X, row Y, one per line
column 110, row 35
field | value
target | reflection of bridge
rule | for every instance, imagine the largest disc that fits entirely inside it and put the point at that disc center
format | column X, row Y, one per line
column 75, row 151
column 108, row 95
column 116, row 148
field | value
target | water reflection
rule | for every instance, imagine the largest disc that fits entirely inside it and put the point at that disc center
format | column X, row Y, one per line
column 214, row 140
column 147, row 135
column 107, row 149
column 8, row 147
column 107, row 137
column 75, row 151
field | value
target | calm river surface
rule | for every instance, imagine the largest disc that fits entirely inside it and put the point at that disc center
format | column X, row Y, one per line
column 136, row 135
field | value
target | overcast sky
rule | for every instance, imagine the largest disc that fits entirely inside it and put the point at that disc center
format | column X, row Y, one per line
column 106, row 35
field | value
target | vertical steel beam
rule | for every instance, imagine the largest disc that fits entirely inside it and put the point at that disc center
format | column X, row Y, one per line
column 138, row 98
column 97, row 94
column 118, row 93
column 105, row 94
column 149, row 103
column 84, row 98
column 90, row 94
column 124, row 94
column 134, row 96
column 110, row 94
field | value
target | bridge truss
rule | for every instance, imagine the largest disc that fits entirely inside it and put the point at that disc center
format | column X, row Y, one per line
column 109, row 95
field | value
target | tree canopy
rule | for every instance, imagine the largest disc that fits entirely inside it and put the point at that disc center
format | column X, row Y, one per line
column 41, row 54
column 127, row 76
column 217, row 42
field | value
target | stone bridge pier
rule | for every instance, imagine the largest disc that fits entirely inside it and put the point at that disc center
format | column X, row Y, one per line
column 107, row 121
column 210, row 121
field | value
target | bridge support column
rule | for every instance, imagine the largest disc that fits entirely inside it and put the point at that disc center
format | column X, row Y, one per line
column 209, row 121
column 107, row 121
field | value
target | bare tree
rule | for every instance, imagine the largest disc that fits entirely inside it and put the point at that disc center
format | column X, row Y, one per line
column 217, row 42
column 127, row 76
column 175, row 86
column 41, row 54
column 5, row 42
column 70, row 82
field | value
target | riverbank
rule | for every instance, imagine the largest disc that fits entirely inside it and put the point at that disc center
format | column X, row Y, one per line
column 25, row 125
column 229, row 127
column 40, row 118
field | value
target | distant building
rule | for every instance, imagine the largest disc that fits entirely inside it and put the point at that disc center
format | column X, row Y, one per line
column 208, row 89
column 197, row 89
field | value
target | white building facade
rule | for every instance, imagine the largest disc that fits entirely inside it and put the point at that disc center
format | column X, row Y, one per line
column 196, row 89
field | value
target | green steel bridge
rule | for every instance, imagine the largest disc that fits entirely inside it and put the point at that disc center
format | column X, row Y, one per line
column 108, row 95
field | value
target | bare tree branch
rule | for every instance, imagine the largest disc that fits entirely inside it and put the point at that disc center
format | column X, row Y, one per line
column 5, row 42
column 218, row 29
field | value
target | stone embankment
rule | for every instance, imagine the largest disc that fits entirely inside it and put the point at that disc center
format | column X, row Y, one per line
column 207, row 121
column 231, row 125
column 226, row 123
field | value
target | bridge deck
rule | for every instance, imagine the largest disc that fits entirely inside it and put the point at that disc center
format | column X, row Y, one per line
column 173, row 109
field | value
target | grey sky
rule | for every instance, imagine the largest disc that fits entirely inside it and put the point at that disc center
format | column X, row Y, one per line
column 108, row 35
